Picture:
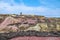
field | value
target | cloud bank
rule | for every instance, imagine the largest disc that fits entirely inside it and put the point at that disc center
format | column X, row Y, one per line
column 10, row 6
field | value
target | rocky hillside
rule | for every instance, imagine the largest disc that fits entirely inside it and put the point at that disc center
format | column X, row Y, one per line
column 12, row 26
column 14, row 23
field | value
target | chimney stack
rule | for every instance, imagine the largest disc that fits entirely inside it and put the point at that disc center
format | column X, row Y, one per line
column 20, row 13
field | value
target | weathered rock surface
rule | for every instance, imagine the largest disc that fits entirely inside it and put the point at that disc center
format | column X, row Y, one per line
column 44, row 26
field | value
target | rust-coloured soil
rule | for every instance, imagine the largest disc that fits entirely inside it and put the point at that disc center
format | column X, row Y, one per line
column 36, row 38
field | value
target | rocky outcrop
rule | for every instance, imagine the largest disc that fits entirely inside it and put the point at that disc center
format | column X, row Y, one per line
column 27, row 25
column 37, row 23
column 4, row 25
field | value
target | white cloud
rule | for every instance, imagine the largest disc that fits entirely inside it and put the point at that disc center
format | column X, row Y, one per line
column 6, row 7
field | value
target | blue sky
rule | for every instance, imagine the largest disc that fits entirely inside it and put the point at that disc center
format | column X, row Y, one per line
column 48, row 8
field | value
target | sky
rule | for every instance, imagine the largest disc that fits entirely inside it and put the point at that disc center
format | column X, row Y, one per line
column 48, row 8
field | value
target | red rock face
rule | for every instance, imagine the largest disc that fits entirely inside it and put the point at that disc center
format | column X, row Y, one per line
column 36, row 38
column 30, row 21
column 8, row 20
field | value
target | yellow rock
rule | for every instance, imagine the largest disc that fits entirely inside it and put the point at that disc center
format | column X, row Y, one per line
column 44, row 26
column 36, row 28
column 58, row 27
